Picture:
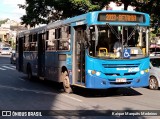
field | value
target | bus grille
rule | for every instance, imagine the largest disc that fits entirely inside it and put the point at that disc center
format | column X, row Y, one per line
column 118, row 74
column 119, row 83
column 120, row 65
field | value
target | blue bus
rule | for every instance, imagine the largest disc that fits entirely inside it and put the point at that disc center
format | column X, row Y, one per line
column 79, row 51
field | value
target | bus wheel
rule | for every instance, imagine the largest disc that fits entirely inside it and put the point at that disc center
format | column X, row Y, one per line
column 29, row 73
column 66, row 83
column 153, row 83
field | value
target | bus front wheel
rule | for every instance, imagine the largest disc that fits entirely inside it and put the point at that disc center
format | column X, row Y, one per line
column 66, row 83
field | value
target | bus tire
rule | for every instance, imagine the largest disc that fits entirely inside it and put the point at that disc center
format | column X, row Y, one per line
column 66, row 83
column 29, row 73
column 153, row 83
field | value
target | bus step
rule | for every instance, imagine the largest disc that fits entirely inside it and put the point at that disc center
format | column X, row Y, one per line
column 79, row 85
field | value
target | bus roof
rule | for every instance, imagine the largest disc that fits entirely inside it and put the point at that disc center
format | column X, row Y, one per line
column 91, row 18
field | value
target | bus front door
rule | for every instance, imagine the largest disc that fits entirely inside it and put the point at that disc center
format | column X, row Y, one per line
column 41, row 55
column 79, row 57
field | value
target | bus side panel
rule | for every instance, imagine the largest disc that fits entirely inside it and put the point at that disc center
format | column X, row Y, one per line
column 50, row 65
column 34, row 63
column 60, row 64
column 30, row 58
column 54, row 63
column 26, row 60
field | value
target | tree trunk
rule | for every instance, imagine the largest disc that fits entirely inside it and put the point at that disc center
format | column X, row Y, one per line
column 125, row 6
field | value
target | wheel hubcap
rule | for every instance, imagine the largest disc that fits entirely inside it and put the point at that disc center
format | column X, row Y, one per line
column 152, row 83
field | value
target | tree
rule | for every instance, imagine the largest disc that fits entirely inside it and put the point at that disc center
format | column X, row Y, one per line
column 3, row 21
column 45, row 11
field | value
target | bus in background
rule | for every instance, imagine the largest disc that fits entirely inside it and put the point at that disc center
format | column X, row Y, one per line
column 79, row 51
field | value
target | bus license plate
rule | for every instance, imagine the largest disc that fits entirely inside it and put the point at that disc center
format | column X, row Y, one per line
column 121, row 80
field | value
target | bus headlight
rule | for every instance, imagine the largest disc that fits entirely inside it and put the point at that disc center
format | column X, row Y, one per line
column 144, row 71
column 93, row 72
column 98, row 73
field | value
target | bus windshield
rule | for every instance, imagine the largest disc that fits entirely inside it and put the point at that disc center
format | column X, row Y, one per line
column 111, row 42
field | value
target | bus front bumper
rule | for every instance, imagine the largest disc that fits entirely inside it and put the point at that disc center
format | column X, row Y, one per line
column 96, row 82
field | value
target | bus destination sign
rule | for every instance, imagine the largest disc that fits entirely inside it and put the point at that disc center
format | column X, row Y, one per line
column 121, row 17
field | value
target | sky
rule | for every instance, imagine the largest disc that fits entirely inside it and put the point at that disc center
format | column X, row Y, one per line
column 9, row 9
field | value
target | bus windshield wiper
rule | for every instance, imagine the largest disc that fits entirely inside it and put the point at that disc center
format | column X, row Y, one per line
column 113, row 31
column 130, row 36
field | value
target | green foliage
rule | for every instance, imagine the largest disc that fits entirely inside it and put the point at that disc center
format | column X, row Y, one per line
column 45, row 11
column 3, row 21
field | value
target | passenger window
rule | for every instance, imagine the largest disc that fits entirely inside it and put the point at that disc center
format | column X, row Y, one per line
column 51, row 42
column 64, row 41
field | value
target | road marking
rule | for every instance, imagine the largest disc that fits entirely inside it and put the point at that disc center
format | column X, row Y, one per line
column 22, row 79
column 2, row 69
column 5, row 64
column 72, row 98
column 37, row 91
column 13, row 66
column 8, row 67
column 24, row 89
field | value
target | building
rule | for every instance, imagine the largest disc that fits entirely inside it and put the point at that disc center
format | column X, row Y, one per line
column 9, row 30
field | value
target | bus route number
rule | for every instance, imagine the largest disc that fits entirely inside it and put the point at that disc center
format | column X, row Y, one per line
column 111, row 17
column 121, row 17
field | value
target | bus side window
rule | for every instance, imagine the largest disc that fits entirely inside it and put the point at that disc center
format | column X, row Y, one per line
column 51, row 42
column 35, row 41
column 26, row 43
column 64, row 43
column 32, row 43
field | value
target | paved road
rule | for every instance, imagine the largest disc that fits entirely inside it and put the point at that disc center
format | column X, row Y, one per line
column 17, row 93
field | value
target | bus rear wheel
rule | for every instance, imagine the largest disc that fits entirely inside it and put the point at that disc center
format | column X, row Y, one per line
column 66, row 83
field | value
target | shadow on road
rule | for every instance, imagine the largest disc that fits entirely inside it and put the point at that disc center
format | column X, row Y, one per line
column 106, row 92
column 58, row 87
column 46, row 83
